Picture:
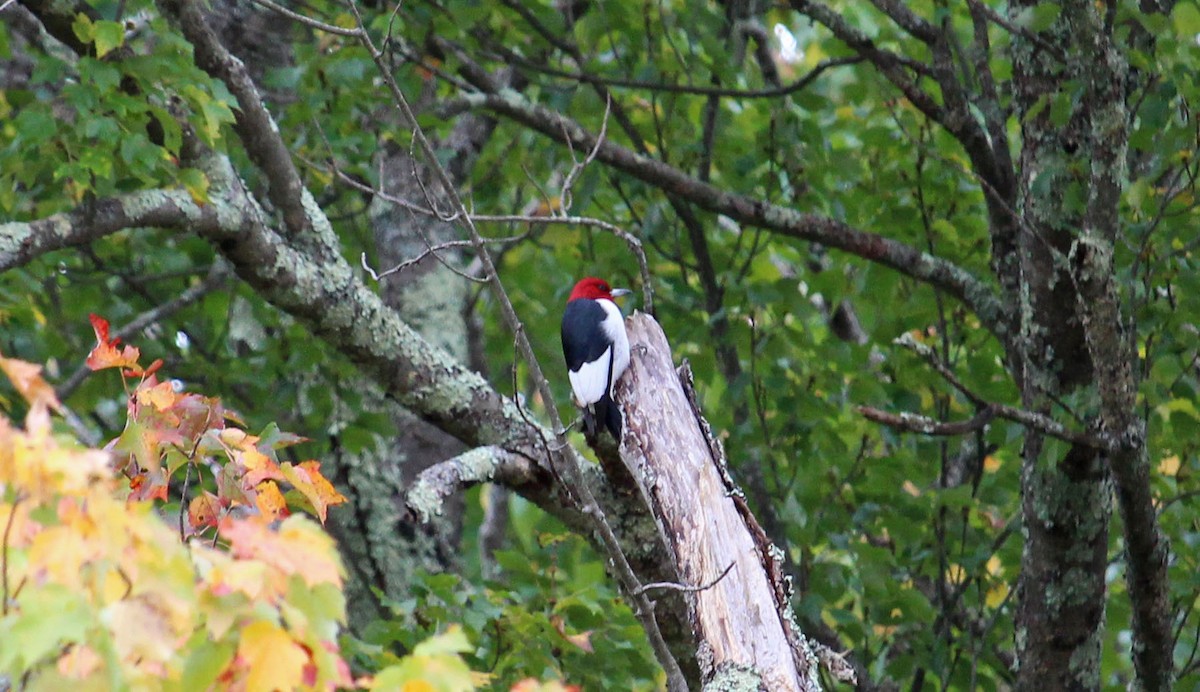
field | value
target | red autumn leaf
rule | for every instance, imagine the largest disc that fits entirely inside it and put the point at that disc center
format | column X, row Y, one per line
column 106, row 353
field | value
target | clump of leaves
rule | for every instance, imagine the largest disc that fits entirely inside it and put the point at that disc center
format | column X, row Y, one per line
column 100, row 587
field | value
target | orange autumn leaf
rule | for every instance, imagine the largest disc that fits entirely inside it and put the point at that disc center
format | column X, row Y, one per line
column 306, row 478
column 270, row 502
column 106, row 353
column 203, row 511
column 259, row 468
column 148, row 485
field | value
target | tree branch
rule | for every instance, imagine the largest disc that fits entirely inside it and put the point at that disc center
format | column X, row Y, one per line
column 936, row 271
column 21, row 242
column 913, row 422
column 254, row 125
column 479, row 465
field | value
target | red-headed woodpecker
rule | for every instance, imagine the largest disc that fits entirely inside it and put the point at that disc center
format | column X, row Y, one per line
column 597, row 352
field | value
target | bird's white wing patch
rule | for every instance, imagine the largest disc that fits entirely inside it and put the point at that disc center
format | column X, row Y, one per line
column 614, row 327
column 591, row 381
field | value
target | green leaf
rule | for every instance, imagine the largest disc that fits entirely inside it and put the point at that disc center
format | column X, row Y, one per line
column 196, row 183
column 83, row 28
column 1186, row 18
column 452, row 641
column 109, row 36
column 1043, row 16
column 205, row 664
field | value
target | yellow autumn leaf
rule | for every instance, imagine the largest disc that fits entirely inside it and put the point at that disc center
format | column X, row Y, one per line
column 1169, row 466
column 996, row 595
column 991, row 463
column 275, row 661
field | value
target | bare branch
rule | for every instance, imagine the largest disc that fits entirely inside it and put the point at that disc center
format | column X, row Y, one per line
column 1031, row 36
column 479, row 465
column 565, row 199
column 685, row 588
column 890, row 64
column 635, row 245
column 22, row 242
column 908, row 20
column 508, row 56
column 1030, row 419
column 913, row 422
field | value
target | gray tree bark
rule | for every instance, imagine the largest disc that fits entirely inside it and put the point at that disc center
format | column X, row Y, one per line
column 738, row 604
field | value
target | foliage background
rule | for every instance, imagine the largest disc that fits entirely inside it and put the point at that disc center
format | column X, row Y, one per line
column 912, row 570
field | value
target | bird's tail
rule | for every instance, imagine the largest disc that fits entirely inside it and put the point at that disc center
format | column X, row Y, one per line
column 609, row 413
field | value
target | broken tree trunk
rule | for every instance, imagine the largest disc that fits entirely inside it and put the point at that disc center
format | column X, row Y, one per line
column 742, row 620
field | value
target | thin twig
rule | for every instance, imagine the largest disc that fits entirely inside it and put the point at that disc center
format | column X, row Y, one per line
column 685, row 588
column 12, row 515
column 664, row 87
column 635, row 245
column 432, row 250
column 307, row 21
column 1030, row 419
column 565, row 199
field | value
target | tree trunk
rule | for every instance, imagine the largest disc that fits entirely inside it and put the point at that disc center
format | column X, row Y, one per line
column 737, row 598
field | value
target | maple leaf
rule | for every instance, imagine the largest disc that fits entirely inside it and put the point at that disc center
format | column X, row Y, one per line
column 270, row 502
column 259, row 468
column 203, row 511
column 148, row 485
column 106, row 354
column 143, row 631
column 274, row 659
column 298, row 547
column 306, row 478
column 27, row 378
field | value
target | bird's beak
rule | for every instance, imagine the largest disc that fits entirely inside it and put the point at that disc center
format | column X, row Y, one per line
column 618, row 292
